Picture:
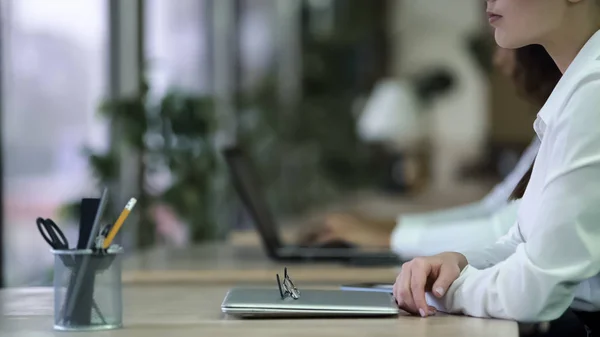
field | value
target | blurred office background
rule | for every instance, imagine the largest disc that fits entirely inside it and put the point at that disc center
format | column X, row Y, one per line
column 137, row 95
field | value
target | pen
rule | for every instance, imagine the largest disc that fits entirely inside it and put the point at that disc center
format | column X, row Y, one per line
column 115, row 229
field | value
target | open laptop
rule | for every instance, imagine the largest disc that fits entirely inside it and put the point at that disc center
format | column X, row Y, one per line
column 246, row 184
column 263, row 302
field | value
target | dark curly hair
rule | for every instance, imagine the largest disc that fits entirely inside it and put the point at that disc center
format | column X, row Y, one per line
column 535, row 76
column 535, row 73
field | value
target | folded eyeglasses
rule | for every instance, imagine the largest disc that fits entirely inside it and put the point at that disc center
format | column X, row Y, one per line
column 287, row 288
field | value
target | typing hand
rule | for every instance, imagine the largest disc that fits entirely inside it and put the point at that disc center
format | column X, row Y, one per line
column 346, row 227
column 426, row 274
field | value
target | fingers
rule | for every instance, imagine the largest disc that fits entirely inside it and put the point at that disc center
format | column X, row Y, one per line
column 411, row 284
column 399, row 286
column 341, row 222
column 318, row 232
column 325, row 237
column 336, row 219
column 396, row 292
column 333, row 224
column 406, row 292
column 403, row 291
column 335, row 227
column 448, row 274
column 309, row 234
column 432, row 310
column 419, row 275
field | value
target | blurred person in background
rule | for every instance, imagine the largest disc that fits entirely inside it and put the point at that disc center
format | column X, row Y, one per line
column 470, row 226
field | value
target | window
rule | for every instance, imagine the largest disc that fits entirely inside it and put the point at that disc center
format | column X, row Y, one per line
column 54, row 74
column 177, row 45
column 256, row 41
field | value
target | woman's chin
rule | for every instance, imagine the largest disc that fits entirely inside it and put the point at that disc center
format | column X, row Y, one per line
column 506, row 41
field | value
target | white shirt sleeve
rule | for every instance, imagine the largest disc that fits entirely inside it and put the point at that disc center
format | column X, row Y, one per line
column 496, row 252
column 468, row 211
column 412, row 239
column 538, row 282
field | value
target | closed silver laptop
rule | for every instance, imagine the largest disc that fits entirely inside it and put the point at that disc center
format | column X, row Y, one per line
column 267, row 302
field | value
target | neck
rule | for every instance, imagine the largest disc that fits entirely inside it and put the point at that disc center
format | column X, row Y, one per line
column 564, row 46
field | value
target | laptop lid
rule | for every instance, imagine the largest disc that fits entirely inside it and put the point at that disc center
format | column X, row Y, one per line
column 268, row 302
column 246, row 183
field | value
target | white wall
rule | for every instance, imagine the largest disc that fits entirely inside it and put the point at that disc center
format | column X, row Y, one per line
column 434, row 32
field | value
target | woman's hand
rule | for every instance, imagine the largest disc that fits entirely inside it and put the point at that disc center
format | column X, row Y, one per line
column 426, row 274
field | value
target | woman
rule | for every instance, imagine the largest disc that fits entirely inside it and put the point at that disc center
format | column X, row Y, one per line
column 549, row 260
column 470, row 226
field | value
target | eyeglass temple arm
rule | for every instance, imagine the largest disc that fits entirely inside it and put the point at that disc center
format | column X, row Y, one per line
column 287, row 277
column 279, row 285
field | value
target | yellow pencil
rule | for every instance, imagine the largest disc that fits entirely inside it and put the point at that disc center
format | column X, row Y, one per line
column 120, row 220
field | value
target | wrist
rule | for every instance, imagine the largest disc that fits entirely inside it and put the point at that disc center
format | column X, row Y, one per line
column 462, row 261
column 458, row 258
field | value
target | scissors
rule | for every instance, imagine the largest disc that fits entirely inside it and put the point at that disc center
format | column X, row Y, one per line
column 52, row 234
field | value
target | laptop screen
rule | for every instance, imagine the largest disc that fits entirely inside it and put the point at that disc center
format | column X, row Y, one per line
column 246, row 183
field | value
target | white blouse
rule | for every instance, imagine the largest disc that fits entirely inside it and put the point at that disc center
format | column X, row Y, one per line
column 550, row 259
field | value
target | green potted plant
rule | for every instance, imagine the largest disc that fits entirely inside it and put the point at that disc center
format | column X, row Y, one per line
column 174, row 138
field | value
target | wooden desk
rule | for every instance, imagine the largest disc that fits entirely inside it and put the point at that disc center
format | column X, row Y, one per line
column 180, row 311
column 220, row 264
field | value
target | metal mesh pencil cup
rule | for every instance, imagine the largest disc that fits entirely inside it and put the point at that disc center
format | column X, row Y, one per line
column 87, row 290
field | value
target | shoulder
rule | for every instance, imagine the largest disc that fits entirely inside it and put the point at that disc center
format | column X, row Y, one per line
column 575, row 112
column 575, row 133
column 584, row 81
column 584, row 74
column 583, row 94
